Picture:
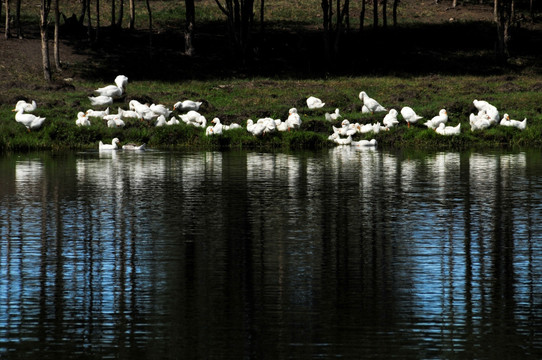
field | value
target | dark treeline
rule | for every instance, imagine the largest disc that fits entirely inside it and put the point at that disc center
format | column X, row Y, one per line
column 247, row 36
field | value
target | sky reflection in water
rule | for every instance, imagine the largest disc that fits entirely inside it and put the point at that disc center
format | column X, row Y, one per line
column 207, row 254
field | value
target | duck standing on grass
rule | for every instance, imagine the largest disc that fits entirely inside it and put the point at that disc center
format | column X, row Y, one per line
column 32, row 122
column 371, row 104
column 114, row 91
column 294, row 120
column 390, row 120
column 410, row 115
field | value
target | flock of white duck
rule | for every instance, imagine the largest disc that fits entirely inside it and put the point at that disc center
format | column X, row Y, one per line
column 158, row 114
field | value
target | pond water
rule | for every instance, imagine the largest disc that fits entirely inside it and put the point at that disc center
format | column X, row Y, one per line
column 231, row 255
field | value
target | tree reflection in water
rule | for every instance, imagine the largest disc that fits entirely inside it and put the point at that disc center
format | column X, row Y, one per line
column 341, row 253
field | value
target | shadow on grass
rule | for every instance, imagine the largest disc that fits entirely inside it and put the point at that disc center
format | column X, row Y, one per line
column 452, row 48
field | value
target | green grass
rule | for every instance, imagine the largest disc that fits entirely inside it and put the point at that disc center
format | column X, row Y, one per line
column 239, row 100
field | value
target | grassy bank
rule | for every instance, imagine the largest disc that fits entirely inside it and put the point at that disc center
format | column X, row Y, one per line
column 239, row 100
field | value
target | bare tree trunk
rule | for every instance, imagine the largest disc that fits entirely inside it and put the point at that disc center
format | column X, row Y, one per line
column 262, row 11
column 56, row 49
column 504, row 12
column 113, row 21
column 454, row 3
column 150, row 14
column 132, row 14
column 395, row 4
column 362, row 16
column 89, row 23
column 44, row 14
column 150, row 26
column 97, row 35
column 338, row 28
column 375, row 14
column 18, row 19
column 8, row 16
column 240, row 17
column 384, row 15
column 327, row 27
column 83, row 11
column 121, row 13
column 189, row 29
column 346, row 14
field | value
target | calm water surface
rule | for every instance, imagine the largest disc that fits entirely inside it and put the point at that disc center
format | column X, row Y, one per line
column 209, row 255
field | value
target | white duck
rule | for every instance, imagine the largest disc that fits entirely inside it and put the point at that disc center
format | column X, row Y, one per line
column 190, row 117
column 135, row 147
column 489, row 109
column 365, row 128
column 371, row 104
column 410, row 115
column 233, row 126
column 442, row 129
column 347, row 129
column 97, row 113
column 173, row 121
column 255, row 129
column 514, row 123
column 333, row 136
column 294, row 120
column 442, row 117
column 390, row 120
column 377, row 127
column 187, row 105
column 270, row 125
column 112, row 146
column 365, row 143
column 101, row 100
column 116, row 122
column 333, row 116
column 161, row 121
column 114, row 91
column 111, row 117
column 138, row 107
column 522, row 125
column 27, row 107
column 343, row 141
column 159, row 109
column 281, row 125
column 218, row 127
column 82, row 119
column 32, row 122
column 314, row 103
column 128, row 114
column 479, row 122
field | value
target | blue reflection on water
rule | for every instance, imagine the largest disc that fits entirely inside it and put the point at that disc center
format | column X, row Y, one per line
column 270, row 255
